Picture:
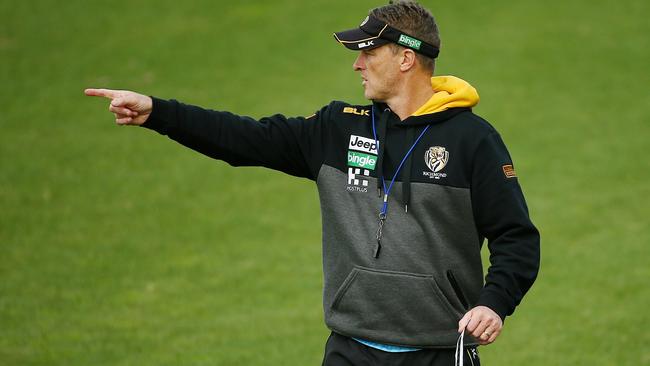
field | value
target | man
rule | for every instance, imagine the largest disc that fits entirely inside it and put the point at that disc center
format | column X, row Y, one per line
column 409, row 185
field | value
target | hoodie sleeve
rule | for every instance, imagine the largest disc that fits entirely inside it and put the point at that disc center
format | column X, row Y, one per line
column 502, row 217
column 290, row 145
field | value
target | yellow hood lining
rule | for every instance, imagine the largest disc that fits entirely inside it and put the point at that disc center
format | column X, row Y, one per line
column 449, row 92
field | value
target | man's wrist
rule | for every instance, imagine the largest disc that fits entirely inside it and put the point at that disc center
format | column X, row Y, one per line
column 160, row 118
column 496, row 303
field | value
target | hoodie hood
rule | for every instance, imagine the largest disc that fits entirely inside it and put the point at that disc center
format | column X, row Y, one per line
column 449, row 92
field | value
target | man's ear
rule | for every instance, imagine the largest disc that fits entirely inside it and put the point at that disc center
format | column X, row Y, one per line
column 407, row 60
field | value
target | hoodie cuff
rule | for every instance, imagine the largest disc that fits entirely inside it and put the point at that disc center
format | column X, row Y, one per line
column 497, row 302
column 162, row 114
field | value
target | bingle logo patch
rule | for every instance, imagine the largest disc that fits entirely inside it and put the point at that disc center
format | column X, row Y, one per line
column 409, row 42
column 436, row 159
column 361, row 160
column 362, row 144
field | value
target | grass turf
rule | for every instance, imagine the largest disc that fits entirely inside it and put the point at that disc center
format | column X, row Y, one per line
column 121, row 248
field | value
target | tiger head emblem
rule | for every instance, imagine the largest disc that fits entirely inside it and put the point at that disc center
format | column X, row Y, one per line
column 436, row 158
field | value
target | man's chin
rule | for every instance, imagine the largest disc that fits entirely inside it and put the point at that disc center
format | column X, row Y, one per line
column 373, row 98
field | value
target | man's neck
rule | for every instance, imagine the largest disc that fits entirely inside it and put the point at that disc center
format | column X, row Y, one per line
column 410, row 97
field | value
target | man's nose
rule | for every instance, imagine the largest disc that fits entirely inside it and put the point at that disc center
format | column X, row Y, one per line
column 359, row 63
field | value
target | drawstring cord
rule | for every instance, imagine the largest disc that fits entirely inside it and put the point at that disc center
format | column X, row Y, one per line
column 406, row 178
column 381, row 134
column 384, row 208
column 460, row 347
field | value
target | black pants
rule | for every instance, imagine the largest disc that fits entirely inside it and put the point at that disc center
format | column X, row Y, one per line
column 344, row 351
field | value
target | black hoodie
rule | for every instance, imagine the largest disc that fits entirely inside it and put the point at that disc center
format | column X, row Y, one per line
column 456, row 187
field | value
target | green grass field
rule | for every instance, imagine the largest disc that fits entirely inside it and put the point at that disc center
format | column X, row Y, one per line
column 120, row 247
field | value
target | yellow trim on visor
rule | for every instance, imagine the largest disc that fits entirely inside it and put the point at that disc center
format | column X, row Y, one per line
column 362, row 40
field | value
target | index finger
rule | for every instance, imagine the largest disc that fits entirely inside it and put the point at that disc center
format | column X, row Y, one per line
column 106, row 93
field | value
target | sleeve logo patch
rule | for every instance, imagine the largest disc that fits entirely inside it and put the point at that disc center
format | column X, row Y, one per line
column 509, row 171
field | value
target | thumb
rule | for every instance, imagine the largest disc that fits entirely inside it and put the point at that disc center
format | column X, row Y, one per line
column 462, row 323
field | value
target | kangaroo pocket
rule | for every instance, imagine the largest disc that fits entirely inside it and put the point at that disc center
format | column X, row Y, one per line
column 394, row 307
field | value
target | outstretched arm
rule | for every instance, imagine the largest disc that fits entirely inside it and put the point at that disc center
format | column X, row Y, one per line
column 130, row 108
column 291, row 145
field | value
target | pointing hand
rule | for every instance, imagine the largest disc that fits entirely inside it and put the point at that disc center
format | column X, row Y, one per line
column 130, row 108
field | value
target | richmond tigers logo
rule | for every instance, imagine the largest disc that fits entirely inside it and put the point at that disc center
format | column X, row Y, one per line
column 436, row 158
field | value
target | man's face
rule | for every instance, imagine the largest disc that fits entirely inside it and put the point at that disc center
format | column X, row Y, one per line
column 379, row 68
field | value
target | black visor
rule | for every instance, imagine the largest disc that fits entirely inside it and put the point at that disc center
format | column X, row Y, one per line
column 373, row 33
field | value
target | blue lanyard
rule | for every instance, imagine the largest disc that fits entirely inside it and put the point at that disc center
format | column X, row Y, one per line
column 384, row 208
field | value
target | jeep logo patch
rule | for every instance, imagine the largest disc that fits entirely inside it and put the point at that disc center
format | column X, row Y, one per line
column 363, row 144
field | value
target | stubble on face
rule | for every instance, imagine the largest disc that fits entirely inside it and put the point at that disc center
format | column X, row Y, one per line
column 379, row 69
